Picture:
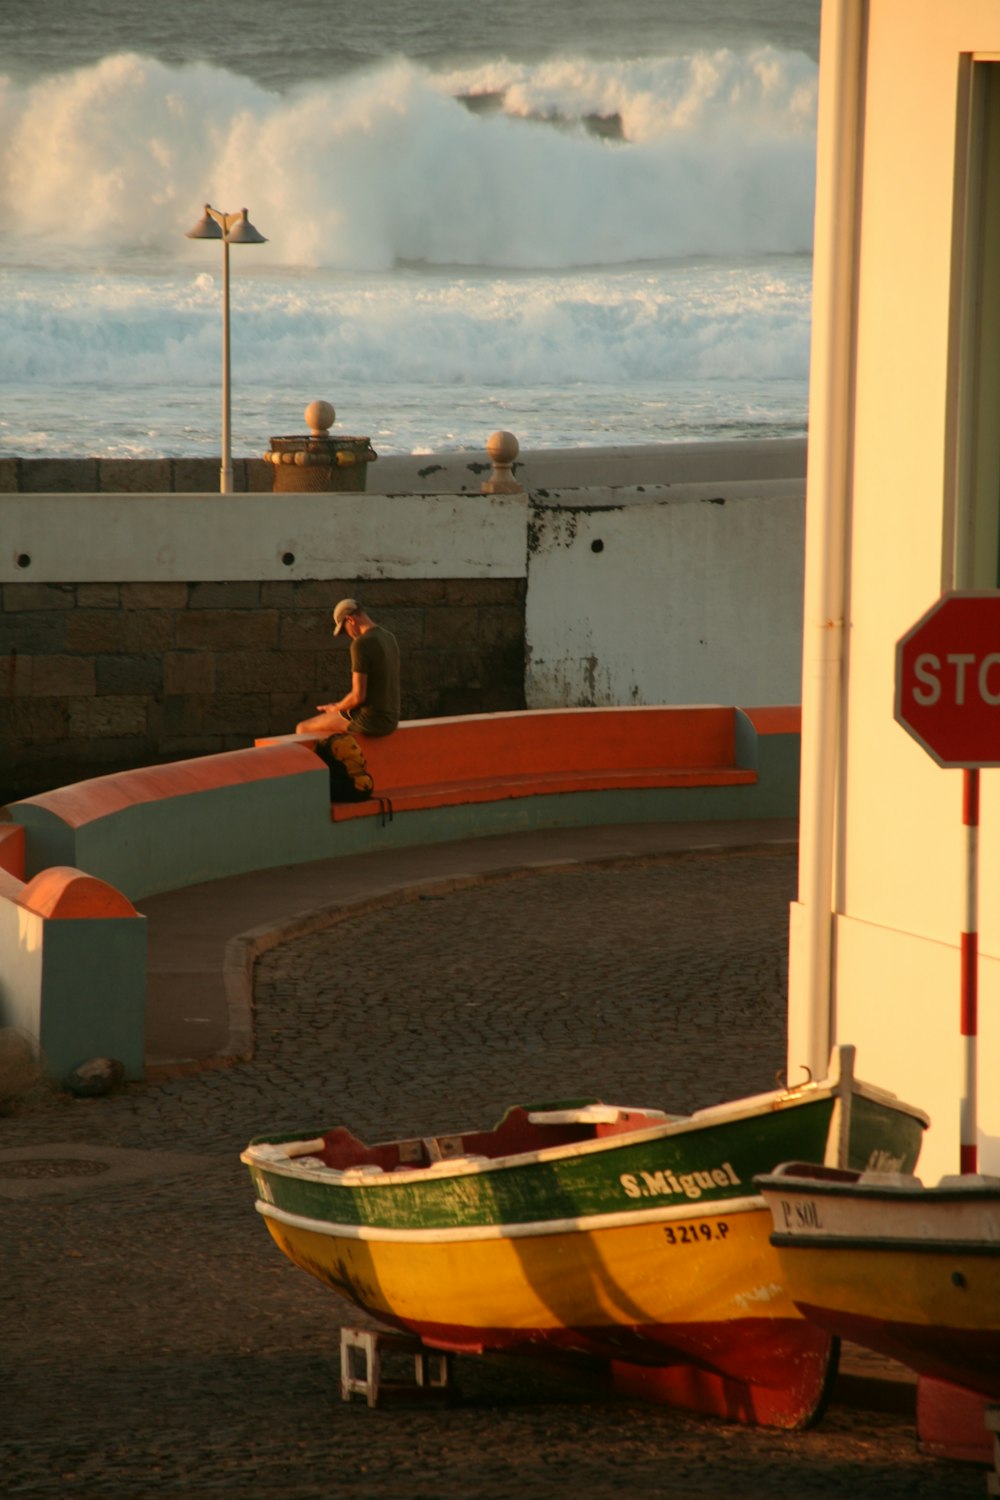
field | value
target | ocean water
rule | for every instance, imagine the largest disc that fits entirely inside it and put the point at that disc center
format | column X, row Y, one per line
column 590, row 223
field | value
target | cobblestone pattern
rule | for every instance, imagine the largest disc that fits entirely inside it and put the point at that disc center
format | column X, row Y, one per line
column 98, row 677
column 157, row 1343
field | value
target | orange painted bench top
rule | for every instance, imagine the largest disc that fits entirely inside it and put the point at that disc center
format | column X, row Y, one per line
column 62, row 893
column 84, row 802
column 430, row 763
column 434, row 762
column 784, row 719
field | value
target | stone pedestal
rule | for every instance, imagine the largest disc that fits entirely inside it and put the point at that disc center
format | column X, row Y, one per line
column 317, row 462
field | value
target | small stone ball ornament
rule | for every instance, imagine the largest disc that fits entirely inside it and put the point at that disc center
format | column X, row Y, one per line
column 503, row 448
column 93, row 1079
column 320, row 417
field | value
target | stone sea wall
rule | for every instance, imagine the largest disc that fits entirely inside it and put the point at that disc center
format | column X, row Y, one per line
column 127, row 476
column 97, row 676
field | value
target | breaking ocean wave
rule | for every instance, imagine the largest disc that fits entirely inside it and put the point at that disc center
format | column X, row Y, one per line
column 706, row 155
column 607, row 251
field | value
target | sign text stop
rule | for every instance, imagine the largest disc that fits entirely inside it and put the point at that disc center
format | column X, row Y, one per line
column 948, row 680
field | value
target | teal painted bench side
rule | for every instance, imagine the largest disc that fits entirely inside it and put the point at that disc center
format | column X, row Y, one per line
column 160, row 828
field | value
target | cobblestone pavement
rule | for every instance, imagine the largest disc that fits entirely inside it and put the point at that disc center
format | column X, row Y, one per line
column 156, row 1343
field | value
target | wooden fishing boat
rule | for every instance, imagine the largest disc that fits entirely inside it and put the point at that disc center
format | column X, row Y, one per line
column 624, row 1235
column 908, row 1270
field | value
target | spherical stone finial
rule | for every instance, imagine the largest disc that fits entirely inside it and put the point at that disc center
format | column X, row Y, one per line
column 320, row 417
column 503, row 448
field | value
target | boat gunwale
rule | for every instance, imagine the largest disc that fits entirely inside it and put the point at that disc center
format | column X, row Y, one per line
column 888, row 1192
column 526, row 1229
column 467, row 1166
column 732, row 1112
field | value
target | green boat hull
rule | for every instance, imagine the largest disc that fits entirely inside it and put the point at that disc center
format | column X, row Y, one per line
column 706, row 1158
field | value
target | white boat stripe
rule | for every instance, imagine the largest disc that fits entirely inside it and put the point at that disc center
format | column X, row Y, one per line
column 714, row 1210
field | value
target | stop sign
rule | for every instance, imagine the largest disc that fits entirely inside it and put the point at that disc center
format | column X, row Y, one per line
column 948, row 680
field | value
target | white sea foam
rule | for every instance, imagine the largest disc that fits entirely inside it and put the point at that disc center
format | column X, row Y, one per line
column 713, row 93
column 386, row 166
column 644, row 354
column 434, row 269
column 655, row 323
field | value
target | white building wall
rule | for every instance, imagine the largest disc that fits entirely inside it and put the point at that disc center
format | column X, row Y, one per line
column 897, row 842
column 687, row 594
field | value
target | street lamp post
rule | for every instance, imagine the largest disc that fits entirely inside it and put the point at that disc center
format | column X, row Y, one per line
column 231, row 229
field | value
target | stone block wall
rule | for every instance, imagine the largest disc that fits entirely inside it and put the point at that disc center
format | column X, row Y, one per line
column 95, row 677
column 128, row 476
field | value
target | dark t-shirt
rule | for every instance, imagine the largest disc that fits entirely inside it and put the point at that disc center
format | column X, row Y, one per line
column 376, row 654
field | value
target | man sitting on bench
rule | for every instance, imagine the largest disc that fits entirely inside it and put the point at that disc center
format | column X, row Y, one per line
column 372, row 705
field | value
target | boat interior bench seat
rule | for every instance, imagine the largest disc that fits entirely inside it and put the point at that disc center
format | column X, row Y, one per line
column 522, row 1129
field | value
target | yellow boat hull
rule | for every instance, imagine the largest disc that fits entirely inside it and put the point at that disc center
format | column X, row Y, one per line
column 695, row 1301
column 909, row 1271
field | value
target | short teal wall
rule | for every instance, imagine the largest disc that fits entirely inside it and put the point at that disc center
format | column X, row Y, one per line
column 48, row 840
column 778, row 775
column 209, row 835
column 77, row 986
column 566, row 810
column 180, row 841
column 94, row 993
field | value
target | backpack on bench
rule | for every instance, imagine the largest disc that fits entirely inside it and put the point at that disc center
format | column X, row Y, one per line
column 349, row 778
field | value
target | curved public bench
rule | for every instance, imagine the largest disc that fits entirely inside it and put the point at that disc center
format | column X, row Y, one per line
column 161, row 828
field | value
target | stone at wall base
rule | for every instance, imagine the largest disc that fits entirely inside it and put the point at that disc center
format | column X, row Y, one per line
column 94, row 1079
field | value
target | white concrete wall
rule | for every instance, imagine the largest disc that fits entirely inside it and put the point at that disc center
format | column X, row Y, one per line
column 680, row 593
column 897, row 844
column 685, row 594
column 190, row 538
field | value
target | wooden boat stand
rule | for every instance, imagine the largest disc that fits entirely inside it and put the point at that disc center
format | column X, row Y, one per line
column 361, row 1351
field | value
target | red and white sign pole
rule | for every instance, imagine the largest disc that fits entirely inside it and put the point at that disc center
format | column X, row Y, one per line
column 948, row 699
column 968, row 1150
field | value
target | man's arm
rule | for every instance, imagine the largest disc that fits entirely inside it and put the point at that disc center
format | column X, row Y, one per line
column 353, row 699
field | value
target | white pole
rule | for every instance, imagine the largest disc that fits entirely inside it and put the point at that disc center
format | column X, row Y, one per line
column 828, row 489
column 226, row 473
